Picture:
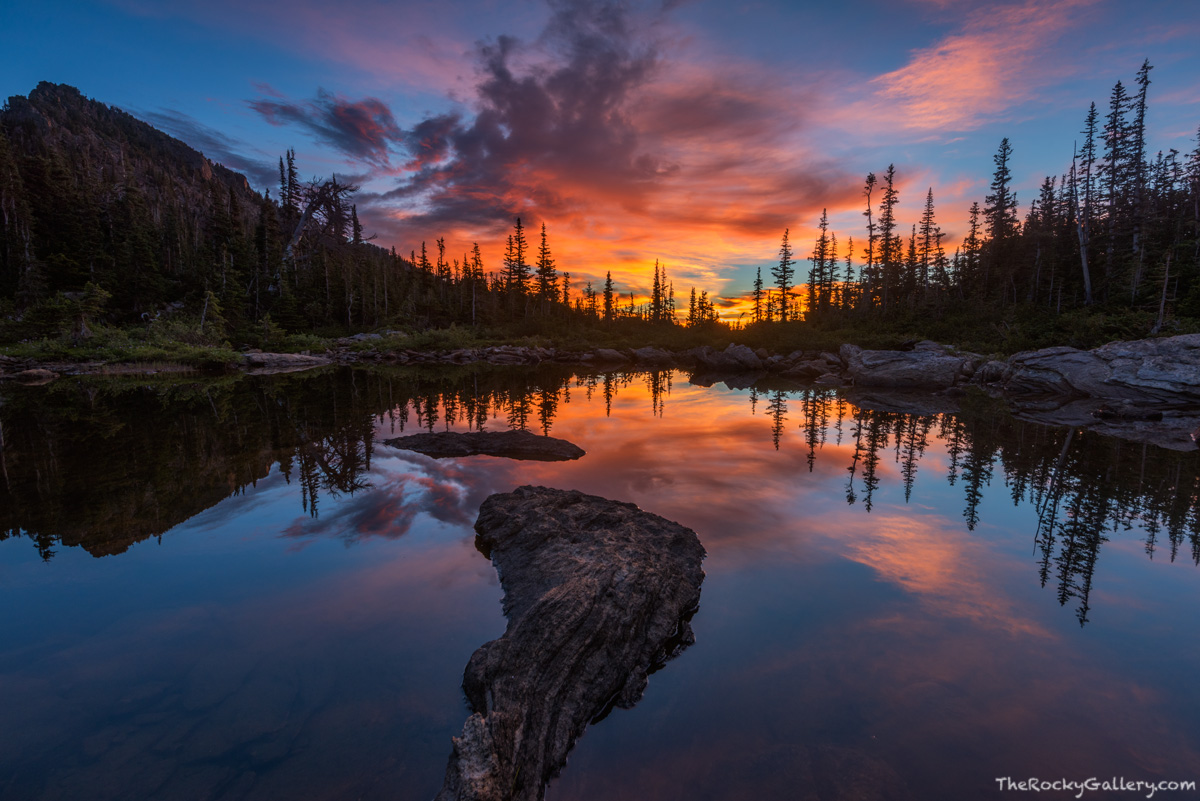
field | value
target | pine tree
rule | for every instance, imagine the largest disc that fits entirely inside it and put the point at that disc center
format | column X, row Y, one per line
column 1000, row 207
column 608, row 297
column 783, row 276
column 867, row 276
column 819, row 258
column 292, row 196
column 516, row 270
column 928, row 245
column 757, row 295
column 889, row 242
column 547, row 277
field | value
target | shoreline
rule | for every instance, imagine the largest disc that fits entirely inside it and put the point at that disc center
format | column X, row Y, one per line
column 1140, row 390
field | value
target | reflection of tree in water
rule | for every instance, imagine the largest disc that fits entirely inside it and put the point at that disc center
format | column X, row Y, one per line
column 777, row 411
column 659, row 384
column 105, row 463
column 1080, row 484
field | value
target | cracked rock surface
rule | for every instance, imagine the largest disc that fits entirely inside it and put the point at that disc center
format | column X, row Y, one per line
column 598, row 595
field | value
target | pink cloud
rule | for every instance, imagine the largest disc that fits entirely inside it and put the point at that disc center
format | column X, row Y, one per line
column 1001, row 57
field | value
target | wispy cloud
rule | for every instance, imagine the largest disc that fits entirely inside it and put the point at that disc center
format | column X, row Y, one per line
column 1002, row 56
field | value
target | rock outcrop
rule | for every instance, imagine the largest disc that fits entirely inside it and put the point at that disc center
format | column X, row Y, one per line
column 506, row 444
column 927, row 366
column 598, row 594
column 1145, row 370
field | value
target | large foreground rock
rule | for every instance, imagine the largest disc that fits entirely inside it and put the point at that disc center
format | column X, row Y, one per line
column 598, row 595
column 1146, row 370
column 506, row 444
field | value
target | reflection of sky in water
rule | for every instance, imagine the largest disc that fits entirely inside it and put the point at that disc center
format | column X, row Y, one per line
column 259, row 652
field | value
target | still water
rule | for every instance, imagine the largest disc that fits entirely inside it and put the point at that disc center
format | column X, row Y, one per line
column 231, row 589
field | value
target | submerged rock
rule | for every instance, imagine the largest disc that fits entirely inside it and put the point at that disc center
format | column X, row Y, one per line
column 507, row 444
column 598, row 595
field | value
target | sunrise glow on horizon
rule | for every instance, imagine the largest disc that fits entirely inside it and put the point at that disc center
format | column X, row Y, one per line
column 688, row 134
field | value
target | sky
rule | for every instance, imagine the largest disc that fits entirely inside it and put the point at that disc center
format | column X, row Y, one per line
column 691, row 133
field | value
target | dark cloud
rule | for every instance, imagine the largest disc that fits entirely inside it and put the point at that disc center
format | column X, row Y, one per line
column 362, row 129
column 562, row 123
column 592, row 126
column 212, row 143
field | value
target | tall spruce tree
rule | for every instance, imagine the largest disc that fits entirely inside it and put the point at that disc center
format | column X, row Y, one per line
column 783, row 273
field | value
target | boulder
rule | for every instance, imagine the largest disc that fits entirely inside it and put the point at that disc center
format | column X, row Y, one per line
column 609, row 356
column 919, row 368
column 523, row 445
column 653, row 357
column 598, row 594
column 733, row 358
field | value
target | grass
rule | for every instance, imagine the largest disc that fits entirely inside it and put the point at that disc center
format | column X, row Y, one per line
column 116, row 346
column 182, row 342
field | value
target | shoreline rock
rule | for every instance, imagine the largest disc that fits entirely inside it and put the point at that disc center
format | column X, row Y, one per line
column 598, row 595
column 523, row 445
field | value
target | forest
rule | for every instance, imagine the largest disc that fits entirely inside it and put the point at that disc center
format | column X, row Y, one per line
column 113, row 233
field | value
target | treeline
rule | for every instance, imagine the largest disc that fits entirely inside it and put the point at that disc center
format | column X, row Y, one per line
column 1119, row 230
column 105, row 220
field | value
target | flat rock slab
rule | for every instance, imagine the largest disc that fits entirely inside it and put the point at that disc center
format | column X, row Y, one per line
column 506, row 444
column 35, row 377
column 1147, row 370
column 598, row 595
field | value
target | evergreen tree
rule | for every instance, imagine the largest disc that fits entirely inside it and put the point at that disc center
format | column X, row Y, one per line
column 889, row 243
column 547, row 277
column 783, row 276
column 1000, row 207
column 757, row 296
column 608, row 297
column 867, row 276
column 819, row 258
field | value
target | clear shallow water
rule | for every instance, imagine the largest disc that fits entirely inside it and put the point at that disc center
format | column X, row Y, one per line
column 1026, row 619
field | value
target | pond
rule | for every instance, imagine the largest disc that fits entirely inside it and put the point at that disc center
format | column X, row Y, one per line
column 233, row 589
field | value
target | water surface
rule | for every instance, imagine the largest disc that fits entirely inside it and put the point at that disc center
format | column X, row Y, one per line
column 233, row 589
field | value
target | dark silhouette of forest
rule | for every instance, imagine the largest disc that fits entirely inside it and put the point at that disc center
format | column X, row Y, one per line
column 1117, row 233
column 108, row 222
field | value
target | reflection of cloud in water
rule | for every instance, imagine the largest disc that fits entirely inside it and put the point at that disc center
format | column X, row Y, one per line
column 934, row 561
column 447, row 490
